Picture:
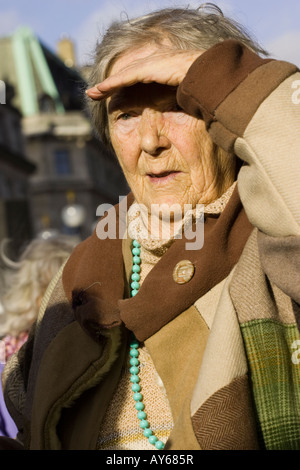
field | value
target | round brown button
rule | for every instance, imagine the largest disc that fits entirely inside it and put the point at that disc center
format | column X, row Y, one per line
column 183, row 272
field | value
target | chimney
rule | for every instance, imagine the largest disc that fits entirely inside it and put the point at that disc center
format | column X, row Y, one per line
column 66, row 51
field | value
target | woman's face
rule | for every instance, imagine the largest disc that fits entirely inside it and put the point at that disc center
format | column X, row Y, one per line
column 166, row 154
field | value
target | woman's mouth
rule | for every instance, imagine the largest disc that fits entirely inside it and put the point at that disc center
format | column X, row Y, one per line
column 163, row 177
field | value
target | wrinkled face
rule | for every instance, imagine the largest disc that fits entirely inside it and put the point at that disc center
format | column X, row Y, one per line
column 166, row 154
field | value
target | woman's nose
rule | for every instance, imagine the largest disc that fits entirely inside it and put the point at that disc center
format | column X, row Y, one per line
column 153, row 138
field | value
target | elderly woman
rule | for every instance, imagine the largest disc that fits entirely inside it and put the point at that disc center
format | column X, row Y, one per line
column 145, row 344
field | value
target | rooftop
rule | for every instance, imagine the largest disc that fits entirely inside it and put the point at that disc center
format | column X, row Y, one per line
column 41, row 80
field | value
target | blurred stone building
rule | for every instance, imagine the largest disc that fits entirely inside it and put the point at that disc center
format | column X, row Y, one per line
column 15, row 171
column 72, row 166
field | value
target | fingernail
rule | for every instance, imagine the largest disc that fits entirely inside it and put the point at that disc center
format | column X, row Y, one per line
column 94, row 90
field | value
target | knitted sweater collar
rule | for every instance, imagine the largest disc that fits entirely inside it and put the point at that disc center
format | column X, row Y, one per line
column 156, row 246
column 153, row 248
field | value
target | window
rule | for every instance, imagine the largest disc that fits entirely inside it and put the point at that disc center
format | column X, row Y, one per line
column 46, row 104
column 6, row 187
column 62, row 162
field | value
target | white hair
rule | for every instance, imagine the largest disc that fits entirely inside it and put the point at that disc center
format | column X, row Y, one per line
column 185, row 28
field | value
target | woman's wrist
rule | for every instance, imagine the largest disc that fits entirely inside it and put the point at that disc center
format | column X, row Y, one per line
column 214, row 75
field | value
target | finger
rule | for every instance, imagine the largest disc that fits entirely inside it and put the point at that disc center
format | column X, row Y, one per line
column 94, row 94
column 138, row 72
column 106, row 88
column 146, row 70
column 125, row 78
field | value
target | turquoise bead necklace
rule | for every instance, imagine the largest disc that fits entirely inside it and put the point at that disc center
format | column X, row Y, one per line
column 134, row 354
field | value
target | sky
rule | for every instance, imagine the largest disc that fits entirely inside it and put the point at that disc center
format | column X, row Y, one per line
column 274, row 23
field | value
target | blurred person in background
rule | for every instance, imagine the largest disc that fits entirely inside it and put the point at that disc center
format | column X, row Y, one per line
column 24, row 284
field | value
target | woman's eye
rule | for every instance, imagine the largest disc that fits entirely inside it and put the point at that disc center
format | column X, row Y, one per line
column 126, row 121
column 125, row 116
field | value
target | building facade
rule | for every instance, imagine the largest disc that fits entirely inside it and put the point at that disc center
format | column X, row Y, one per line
column 15, row 172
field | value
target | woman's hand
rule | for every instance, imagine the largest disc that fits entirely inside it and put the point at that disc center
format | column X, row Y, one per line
column 165, row 66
